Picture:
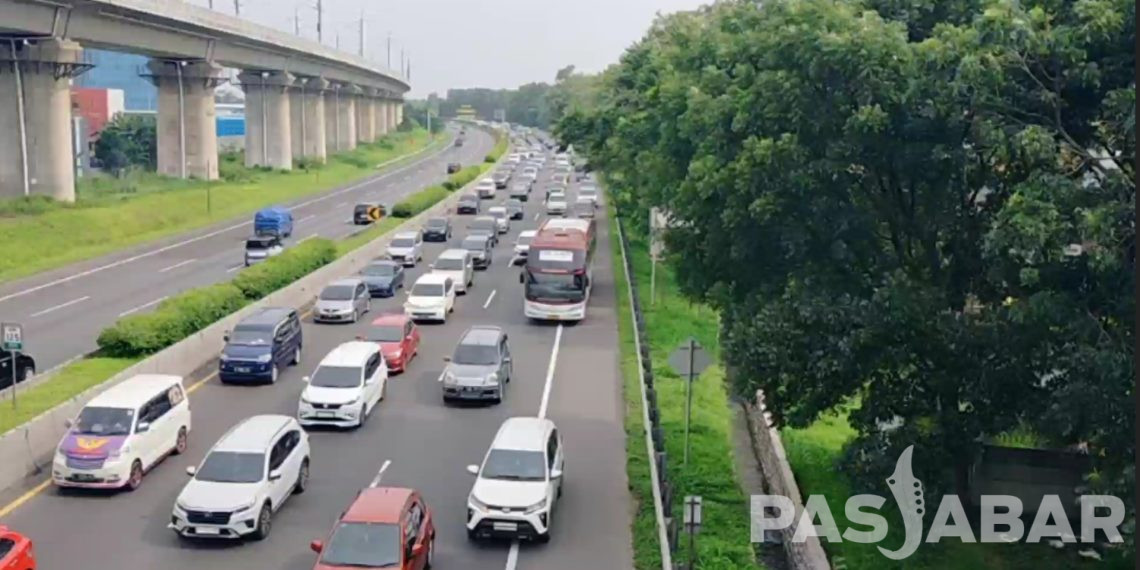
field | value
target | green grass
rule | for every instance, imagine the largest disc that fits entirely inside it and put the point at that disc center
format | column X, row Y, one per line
column 724, row 542
column 111, row 214
column 70, row 381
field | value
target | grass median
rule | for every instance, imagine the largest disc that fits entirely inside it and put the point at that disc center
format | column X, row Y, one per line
column 111, row 214
column 724, row 542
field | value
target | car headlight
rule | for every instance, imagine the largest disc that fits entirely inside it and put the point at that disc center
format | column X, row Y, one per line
column 224, row 357
column 536, row 507
column 243, row 509
column 120, row 452
column 448, row 378
column 264, row 358
column 493, row 379
column 305, row 400
column 352, row 401
column 479, row 505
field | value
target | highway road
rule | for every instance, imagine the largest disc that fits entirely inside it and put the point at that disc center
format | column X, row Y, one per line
column 63, row 310
column 571, row 373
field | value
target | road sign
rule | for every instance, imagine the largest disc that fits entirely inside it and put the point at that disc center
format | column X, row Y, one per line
column 683, row 365
column 375, row 212
column 692, row 516
column 13, row 337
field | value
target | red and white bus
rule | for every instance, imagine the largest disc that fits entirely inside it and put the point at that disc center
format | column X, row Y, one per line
column 557, row 276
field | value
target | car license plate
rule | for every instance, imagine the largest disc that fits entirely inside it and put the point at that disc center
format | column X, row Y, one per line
column 242, row 369
column 326, row 414
column 505, row 526
column 83, row 477
column 207, row 530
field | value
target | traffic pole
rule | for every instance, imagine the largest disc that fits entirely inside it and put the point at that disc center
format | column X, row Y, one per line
column 689, row 400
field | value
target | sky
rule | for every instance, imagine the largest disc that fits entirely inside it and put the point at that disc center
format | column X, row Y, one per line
column 472, row 43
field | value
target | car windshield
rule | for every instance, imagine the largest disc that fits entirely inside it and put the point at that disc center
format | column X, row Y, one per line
column 498, row 212
column 475, row 354
column 380, row 270
column 232, row 467
column 474, row 244
column 361, row 209
column 515, row 465
column 514, row 204
column 336, row 377
column 449, row 264
column 251, row 337
column 337, row 293
column 482, row 226
column 104, row 421
column 468, row 199
column 366, row 545
column 555, row 286
column 257, row 244
column 386, row 333
column 402, row 242
column 436, row 224
column 427, row 290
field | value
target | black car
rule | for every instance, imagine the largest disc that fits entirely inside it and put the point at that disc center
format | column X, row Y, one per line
column 453, row 167
column 362, row 213
column 459, row 142
column 481, row 250
column 260, row 345
column 25, row 368
column 468, row 204
column 514, row 209
column 383, row 277
column 437, row 229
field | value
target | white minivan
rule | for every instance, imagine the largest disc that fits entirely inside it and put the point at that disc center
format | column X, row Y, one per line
column 345, row 387
column 458, row 265
column 432, row 298
column 123, row 433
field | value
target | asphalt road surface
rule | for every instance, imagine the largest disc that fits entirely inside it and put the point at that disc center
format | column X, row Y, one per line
column 427, row 444
column 63, row 310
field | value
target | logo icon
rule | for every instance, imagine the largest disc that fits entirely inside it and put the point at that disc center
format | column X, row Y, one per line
column 90, row 444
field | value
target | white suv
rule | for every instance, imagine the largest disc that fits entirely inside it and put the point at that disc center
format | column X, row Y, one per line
column 407, row 248
column 431, row 298
column 518, row 483
column 252, row 470
column 345, row 387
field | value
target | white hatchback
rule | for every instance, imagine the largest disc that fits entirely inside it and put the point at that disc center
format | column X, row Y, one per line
column 245, row 478
column 407, row 248
column 346, row 386
column 432, row 297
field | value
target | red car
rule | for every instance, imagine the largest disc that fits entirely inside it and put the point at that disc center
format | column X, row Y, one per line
column 399, row 339
column 15, row 551
column 385, row 527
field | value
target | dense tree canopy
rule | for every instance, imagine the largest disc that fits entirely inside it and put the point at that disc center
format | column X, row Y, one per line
column 128, row 141
column 533, row 104
column 925, row 207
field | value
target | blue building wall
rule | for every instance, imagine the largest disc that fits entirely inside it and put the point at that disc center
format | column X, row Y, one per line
column 116, row 70
column 231, row 126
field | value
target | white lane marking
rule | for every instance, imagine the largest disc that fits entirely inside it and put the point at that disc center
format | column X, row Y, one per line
column 380, row 474
column 513, row 556
column 489, row 297
column 61, row 306
column 550, row 374
column 177, row 265
column 536, row 215
column 143, row 306
column 235, row 268
column 309, row 217
column 339, row 204
column 307, row 238
column 209, row 235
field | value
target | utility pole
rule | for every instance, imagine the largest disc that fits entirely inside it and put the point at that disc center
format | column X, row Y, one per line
column 362, row 33
column 338, row 40
column 237, row 7
column 320, row 21
column 389, row 50
column 296, row 21
column 211, row 4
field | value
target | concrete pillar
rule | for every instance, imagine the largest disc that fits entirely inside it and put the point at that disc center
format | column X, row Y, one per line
column 268, row 141
column 393, row 124
column 186, row 125
column 400, row 112
column 381, row 116
column 365, row 118
column 346, row 117
column 307, row 110
column 332, row 111
column 46, row 67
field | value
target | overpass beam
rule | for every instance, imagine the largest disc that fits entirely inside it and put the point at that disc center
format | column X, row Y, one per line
column 268, row 140
column 307, row 107
column 37, row 157
column 186, row 125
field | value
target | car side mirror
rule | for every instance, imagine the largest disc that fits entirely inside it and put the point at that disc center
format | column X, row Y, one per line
column 275, row 475
column 306, row 379
column 431, row 266
column 316, row 546
column 447, row 359
column 507, row 359
column 473, row 469
column 555, row 473
column 191, row 471
column 143, row 427
column 226, row 336
column 68, row 423
column 417, row 550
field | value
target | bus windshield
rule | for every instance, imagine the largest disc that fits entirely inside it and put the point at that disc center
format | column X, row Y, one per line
column 555, row 287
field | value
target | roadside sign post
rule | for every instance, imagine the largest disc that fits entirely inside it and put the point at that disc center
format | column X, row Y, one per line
column 13, row 342
column 656, row 249
column 688, row 361
column 692, row 520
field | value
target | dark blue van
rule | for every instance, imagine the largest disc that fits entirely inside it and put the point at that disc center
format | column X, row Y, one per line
column 260, row 345
column 273, row 221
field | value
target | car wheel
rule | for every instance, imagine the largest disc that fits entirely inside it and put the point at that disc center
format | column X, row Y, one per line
column 135, row 478
column 180, row 442
column 296, row 356
column 302, row 478
column 264, row 523
column 273, row 373
column 24, row 374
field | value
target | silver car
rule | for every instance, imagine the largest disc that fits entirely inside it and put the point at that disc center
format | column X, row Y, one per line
column 481, row 367
column 343, row 301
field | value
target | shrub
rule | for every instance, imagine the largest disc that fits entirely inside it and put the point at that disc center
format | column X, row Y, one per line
column 463, row 177
column 173, row 320
column 489, row 159
column 419, row 201
column 277, row 272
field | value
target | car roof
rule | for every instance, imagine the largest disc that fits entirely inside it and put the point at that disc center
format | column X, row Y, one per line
column 346, row 282
column 264, row 319
column 482, row 335
column 497, row 209
column 480, row 237
column 378, row 504
column 135, row 391
column 432, row 278
column 483, row 219
column 410, row 234
column 351, row 353
column 393, row 318
column 384, row 262
column 523, row 433
column 454, row 253
column 253, row 434
column 528, row 233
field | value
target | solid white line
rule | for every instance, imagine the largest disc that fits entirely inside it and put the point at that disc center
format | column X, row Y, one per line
column 235, row 268
column 339, row 204
column 307, row 238
column 309, row 217
column 489, row 297
column 536, row 215
column 380, row 474
column 61, row 305
column 177, row 265
column 143, row 306
column 513, row 556
column 550, row 374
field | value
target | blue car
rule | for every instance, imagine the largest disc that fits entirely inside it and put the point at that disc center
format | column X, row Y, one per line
column 383, row 277
column 260, row 345
column 273, row 221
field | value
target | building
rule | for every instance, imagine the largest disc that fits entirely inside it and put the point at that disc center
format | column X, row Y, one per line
column 116, row 70
column 97, row 106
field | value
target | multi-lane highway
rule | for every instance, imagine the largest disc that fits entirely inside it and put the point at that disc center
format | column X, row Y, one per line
column 63, row 310
column 568, row 372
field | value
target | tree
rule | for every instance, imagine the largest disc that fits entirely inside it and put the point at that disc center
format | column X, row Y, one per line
column 127, row 141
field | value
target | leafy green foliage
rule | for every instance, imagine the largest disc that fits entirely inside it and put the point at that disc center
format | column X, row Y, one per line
column 127, row 141
column 419, row 201
column 173, row 320
column 276, row 272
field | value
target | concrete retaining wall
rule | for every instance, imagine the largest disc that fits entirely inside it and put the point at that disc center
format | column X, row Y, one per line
column 27, row 450
column 779, row 480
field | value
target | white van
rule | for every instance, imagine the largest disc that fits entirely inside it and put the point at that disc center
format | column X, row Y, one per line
column 123, row 433
column 458, row 265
